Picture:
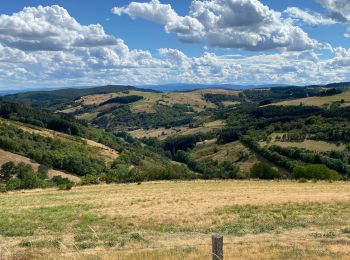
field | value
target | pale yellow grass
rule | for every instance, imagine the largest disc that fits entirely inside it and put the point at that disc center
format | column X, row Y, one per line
column 11, row 157
column 70, row 109
column 191, row 204
column 87, row 116
column 311, row 145
column 230, row 103
column 316, row 101
column 228, row 152
column 264, row 248
column 162, row 133
column 194, row 99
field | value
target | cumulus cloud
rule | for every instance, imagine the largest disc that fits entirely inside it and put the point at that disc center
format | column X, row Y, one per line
column 243, row 24
column 49, row 28
column 309, row 17
column 92, row 61
column 339, row 10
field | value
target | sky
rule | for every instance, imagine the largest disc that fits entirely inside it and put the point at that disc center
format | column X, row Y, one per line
column 59, row 43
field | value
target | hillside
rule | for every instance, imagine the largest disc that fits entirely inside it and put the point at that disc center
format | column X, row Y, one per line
column 147, row 110
column 174, row 220
column 57, row 98
column 145, row 139
column 12, row 157
column 123, row 134
column 343, row 99
column 63, row 143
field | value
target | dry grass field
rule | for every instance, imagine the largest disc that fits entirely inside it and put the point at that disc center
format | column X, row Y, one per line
column 194, row 99
column 231, row 152
column 174, row 220
column 317, row 101
column 311, row 145
column 162, row 133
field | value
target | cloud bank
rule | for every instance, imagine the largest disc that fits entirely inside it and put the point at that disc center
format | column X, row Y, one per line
column 242, row 24
column 45, row 46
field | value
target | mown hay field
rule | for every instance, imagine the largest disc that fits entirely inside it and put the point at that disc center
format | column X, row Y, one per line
column 174, row 220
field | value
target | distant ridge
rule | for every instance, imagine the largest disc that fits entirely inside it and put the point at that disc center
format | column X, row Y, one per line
column 190, row 87
column 54, row 98
column 88, row 90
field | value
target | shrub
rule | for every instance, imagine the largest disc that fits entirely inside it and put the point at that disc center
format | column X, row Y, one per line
column 43, row 172
column 264, row 171
column 7, row 171
column 67, row 186
column 58, row 180
column 302, row 180
column 14, row 184
column 315, row 171
column 90, row 180
column 119, row 173
column 2, row 188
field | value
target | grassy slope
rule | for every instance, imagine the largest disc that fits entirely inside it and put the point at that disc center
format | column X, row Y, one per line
column 150, row 100
column 274, row 220
column 311, row 145
column 162, row 133
column 7, row 157
column 317, row 101
column 101, row 150
column 56, row 98
column 228, row 152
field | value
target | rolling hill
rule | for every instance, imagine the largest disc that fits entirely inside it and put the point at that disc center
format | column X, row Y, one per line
column 125, row 134
column 56, row 98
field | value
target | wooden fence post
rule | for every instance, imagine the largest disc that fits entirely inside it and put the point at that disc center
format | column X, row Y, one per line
column 217, row 246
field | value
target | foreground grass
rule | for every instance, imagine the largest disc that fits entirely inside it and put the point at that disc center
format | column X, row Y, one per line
column 170, row 220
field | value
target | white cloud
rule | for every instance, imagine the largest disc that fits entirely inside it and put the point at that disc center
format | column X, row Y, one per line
column 49, row 28
column 243, row 24
column 339, row 10
column 309, row 17
column 94, row 63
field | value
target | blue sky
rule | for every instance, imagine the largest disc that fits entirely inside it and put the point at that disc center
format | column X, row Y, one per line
column 164, row 41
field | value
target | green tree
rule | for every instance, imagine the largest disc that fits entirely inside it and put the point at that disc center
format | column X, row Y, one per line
column 7, row 171
column 264, row 171
column 315, row 171
column 43, row 172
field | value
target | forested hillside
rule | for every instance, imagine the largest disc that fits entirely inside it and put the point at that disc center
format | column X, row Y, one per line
column 123, row 134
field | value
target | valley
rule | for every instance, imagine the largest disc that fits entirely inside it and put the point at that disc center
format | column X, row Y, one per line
column 166, row 130
column 116, row 172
